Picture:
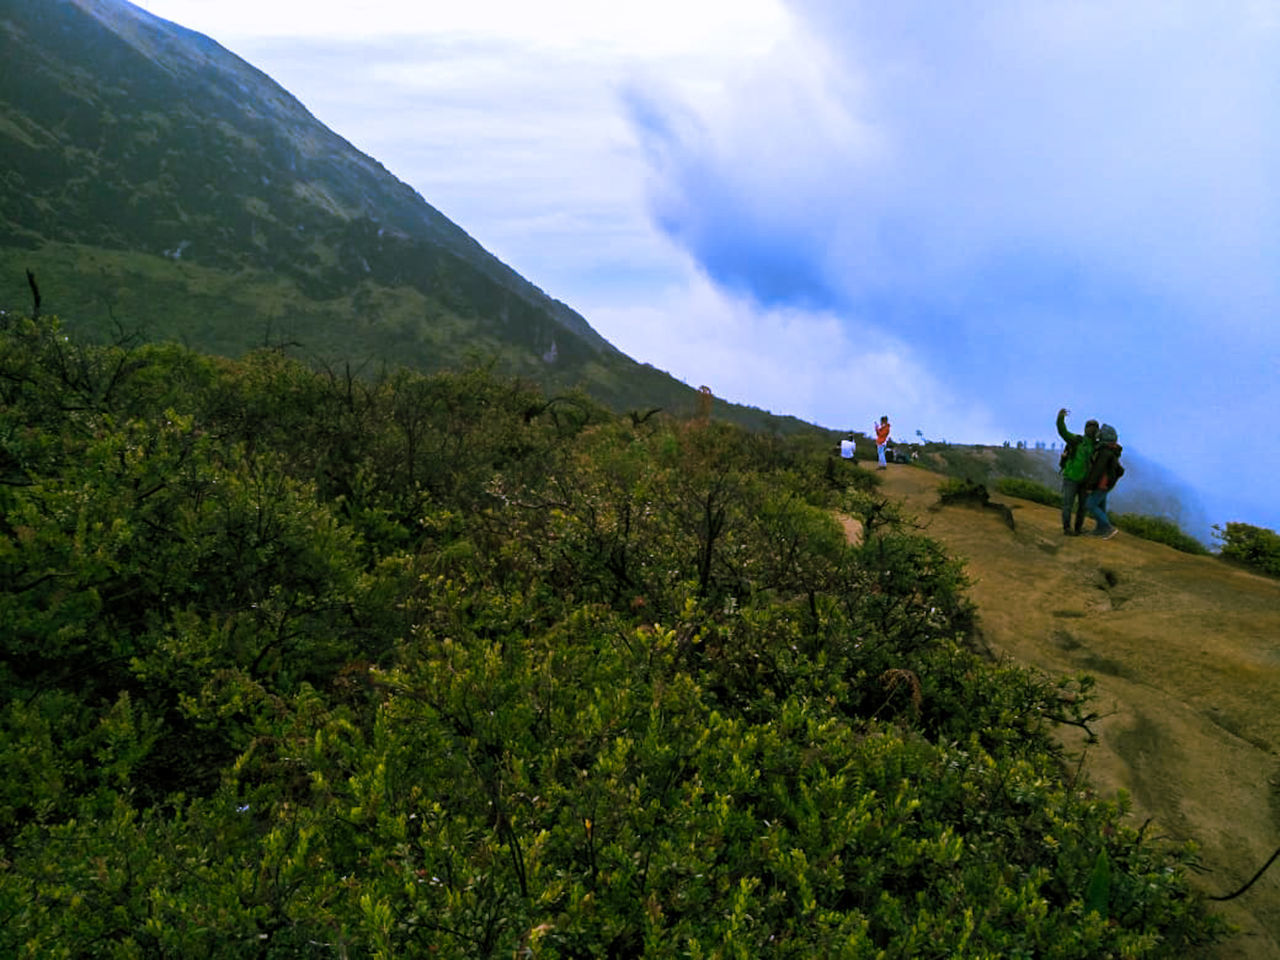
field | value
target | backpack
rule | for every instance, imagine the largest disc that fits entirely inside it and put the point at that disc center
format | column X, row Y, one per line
column 1114, row 471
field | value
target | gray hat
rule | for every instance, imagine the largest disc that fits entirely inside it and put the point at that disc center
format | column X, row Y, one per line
column 1107, row 433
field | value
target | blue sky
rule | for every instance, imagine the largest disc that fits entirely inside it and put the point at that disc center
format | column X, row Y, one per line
column 962, row 215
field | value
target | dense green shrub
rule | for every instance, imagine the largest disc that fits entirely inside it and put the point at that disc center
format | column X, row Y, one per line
column 961, row 490
column 1029, row 490
column 1159, row 530
column 298, row 665
column 1255, row 547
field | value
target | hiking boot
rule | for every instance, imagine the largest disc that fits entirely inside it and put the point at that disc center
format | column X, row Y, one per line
column 1110, row 533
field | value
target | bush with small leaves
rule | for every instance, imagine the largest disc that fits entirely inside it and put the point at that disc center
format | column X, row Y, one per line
column 300, row 665
column 1255, row 547
column 1028, row 490
column 1158, row 530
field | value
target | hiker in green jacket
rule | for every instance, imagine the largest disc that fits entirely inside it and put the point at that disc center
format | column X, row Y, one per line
column 1074, row 466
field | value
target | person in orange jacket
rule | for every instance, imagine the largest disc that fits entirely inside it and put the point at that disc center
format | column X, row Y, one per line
column 882, row 438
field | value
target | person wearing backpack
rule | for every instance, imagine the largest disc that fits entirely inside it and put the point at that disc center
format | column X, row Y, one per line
column 1074, row 466
column 1104, row 471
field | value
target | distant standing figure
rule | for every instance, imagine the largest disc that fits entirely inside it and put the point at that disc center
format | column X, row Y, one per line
column 1104, row 471
column 882, row 439
column 847, row 449
column 1075, row 465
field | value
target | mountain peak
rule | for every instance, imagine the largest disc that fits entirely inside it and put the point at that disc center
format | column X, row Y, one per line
column 130, row 141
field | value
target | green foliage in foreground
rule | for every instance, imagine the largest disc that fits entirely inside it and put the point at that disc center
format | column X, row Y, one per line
column 1029, row 490
column 1256, row 547
column 296, row 665
column 1159, row 530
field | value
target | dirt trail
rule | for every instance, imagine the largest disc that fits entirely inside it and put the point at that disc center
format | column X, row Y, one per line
column 1186, row 652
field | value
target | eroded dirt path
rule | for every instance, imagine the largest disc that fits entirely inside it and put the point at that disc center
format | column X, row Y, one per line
column 1186, row 653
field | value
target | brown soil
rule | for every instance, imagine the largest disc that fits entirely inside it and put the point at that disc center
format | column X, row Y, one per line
column 1186, row 653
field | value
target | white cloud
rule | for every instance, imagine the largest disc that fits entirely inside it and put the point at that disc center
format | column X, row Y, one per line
column 1051, row 202
column 1138, row 138
column 816, row 365
column 633, row 27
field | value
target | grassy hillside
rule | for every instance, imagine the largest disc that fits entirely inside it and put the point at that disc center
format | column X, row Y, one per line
column 302, row 664
column 1181, row 648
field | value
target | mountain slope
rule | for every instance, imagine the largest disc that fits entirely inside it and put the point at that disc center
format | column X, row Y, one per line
column 154, row 181
column 126, row 131
column 1188, row 677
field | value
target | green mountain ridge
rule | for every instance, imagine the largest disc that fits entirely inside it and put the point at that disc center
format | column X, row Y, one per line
column 156, row 183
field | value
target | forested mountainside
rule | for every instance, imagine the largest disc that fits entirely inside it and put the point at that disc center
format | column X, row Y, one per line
column 157, row 184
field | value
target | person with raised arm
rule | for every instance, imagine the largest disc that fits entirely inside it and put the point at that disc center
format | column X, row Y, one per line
column 1074, row 465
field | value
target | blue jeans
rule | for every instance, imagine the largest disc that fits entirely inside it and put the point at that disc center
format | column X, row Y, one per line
column 880, row 453
column 1096, row 506
column 1073, row 495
